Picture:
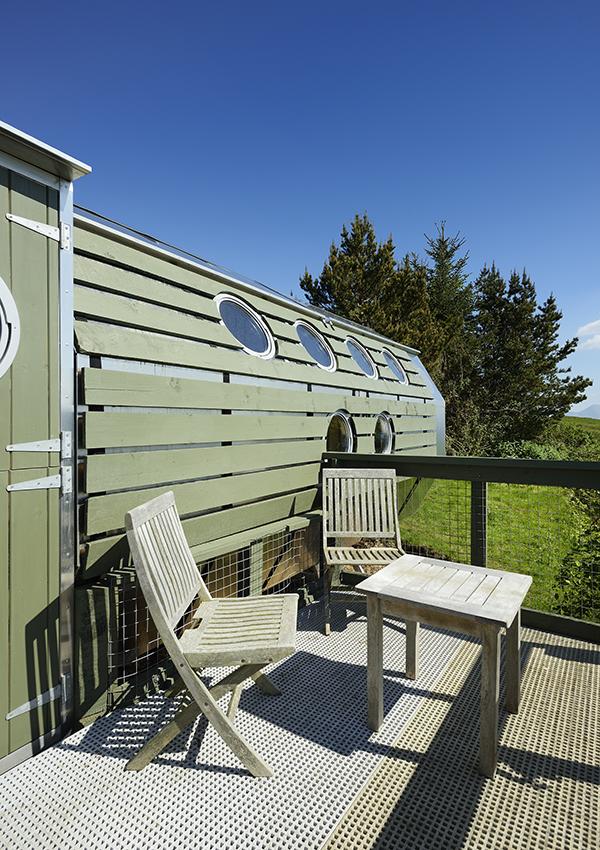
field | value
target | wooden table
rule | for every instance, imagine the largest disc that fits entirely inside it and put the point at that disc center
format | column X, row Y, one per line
column 449, row 595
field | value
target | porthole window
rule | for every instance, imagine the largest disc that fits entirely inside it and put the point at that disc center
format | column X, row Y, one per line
column 340, row 434
column 383, row 436
column 395, row 367
column 315, row 345
column 362, row 358
column 244, row 323
column 10, row 328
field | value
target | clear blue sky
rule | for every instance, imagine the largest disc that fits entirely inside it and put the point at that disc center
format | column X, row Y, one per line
column 250, row 132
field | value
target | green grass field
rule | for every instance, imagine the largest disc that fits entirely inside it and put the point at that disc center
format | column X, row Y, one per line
column 530, row 530
column 586, row 424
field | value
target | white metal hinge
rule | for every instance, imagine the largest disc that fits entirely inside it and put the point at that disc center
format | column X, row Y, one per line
column 63, row 480
column 42, row 699
column 62, row 234
column 62, row 444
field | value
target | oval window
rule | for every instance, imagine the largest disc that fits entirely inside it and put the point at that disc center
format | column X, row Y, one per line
column 340, row 435
column 361, row 357
column 383, row 436
column 315, row 345
column 10, row 328
column 395, row 367
column 244, row 323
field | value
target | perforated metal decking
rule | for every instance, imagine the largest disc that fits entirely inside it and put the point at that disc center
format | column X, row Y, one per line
column 414, row 784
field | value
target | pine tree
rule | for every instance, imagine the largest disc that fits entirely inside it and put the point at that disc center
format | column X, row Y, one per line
column 451, row 304
column 518, row 384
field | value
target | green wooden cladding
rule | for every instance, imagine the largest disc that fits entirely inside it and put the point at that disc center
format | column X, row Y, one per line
column 241, row 453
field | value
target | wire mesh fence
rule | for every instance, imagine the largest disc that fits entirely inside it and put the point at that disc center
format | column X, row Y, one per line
column 551, row 533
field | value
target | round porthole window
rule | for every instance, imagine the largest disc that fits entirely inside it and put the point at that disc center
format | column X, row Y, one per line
column 340, row 434
column 383, row 436
column 362, row 358
column 10, row 328
column 315, row 345
column 395, row 367
column 244, row 323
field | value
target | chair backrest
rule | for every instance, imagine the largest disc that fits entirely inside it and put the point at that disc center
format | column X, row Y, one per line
column 165, row 567
column 360, row 503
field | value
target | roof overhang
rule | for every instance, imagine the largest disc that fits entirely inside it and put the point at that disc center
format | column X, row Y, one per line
column 20, row 145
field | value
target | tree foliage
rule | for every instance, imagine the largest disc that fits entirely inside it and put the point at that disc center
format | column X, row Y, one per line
column 491, row 348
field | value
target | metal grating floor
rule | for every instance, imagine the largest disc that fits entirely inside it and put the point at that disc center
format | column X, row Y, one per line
column 414, row 785
column 77, row 795
column 426, row 795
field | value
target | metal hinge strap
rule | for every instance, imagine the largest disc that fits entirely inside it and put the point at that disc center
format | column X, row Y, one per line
column 62, row 444
column 62, row 480
column 37, row 226
column 61, row 235
column 42, row 699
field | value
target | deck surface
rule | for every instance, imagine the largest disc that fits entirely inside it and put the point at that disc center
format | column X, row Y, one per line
column 414, row 784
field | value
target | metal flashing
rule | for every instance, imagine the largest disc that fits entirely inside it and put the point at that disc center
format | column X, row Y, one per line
column 24, row 147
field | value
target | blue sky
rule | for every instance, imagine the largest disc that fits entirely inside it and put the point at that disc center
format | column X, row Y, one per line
column 249, row 133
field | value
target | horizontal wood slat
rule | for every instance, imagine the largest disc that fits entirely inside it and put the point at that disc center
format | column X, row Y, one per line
column 104, row 430
column 253, row 521
column 123, row 389
column 128, row 470
column 112, row 340
column 106, row 513
column 210, row 284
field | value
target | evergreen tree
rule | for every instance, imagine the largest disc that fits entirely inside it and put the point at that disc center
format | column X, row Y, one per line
column 518, row 384
column 451, row 302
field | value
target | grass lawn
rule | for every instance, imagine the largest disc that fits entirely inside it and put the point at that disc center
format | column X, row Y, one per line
column 530, row 529
column 585, row 423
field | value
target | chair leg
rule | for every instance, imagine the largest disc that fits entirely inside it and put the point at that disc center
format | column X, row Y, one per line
column 187, row 714
column 184, row 717
column 263, row 682
column 326, row 597
column 234, row 702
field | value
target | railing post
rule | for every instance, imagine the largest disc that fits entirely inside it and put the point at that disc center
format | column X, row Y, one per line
column 479, row 523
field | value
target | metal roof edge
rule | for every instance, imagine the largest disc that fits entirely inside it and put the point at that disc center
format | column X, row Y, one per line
column 231, row 277
column 22, row 146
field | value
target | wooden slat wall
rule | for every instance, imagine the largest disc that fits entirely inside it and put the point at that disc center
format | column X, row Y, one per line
column 240, row 452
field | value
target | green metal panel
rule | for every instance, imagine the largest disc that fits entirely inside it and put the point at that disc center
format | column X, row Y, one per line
column 109, row 387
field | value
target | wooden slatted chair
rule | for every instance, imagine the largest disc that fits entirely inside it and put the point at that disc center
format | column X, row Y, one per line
column 248, row 633
column 358, row 504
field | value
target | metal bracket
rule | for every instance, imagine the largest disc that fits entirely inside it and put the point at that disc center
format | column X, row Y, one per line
column 62, row 480
column 37, row 226
column 42, row 699
column 65, row 236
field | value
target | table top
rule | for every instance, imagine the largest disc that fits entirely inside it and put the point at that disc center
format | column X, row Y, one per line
column 492, row 596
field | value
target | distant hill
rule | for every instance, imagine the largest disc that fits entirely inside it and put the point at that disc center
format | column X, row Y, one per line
column 591, row 412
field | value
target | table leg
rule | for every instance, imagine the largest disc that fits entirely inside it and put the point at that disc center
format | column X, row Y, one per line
column 374, row 661
column 490, row 687
column 412, row 649
column 513, row 665
column 326, row 574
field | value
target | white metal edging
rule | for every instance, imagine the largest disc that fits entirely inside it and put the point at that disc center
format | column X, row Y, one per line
column 32, row 172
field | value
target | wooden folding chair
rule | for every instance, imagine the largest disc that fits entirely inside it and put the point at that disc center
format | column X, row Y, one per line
column 358, row 504
column 248, row 633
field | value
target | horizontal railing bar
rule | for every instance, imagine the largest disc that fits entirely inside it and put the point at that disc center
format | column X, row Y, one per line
column 555, row 473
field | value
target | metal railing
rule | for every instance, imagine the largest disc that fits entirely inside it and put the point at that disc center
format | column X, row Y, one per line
column 536, row 517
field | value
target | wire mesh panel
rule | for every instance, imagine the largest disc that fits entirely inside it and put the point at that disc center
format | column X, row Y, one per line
column 551, row 533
